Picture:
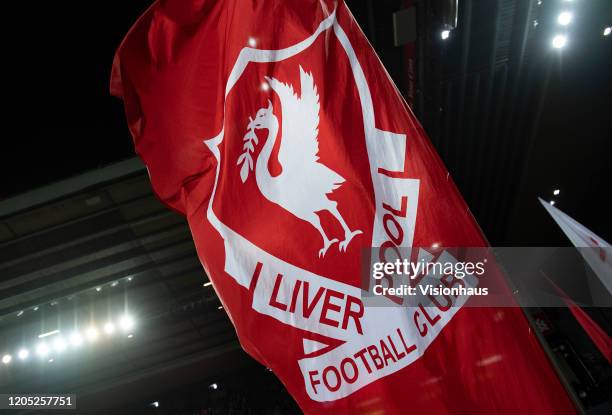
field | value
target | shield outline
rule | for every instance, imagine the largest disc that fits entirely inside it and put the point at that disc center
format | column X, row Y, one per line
column 395, row 143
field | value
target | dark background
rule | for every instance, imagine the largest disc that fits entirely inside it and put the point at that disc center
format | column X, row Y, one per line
column 59, row 117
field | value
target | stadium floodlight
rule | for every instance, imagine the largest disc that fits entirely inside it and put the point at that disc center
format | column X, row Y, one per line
column 75, row 339
column 109, row 328
column 126, row 322
column 565, row 18
column 607, row 31
column 59, row 344
column 42, row 349
column 445, row 34
column 556, row 192
column 23, row 354
column 91, row 334
column 214, row 386
column 559, row 41
column 6, row 359
column 47, row 334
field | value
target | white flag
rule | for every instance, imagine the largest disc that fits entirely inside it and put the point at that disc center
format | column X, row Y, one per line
column 599, row 257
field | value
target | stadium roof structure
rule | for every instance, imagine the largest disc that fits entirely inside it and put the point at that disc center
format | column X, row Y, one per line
column 82, row 254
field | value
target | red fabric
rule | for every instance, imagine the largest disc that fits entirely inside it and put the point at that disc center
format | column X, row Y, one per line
column 596, row 333
column 190, row 115
column 600, row 338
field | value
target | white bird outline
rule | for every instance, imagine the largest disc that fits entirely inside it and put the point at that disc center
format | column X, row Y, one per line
column 304, row 183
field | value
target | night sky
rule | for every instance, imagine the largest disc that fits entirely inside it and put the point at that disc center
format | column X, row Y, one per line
column 58, row 117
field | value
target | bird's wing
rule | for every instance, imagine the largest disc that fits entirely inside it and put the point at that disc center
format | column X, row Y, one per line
column 299, row 143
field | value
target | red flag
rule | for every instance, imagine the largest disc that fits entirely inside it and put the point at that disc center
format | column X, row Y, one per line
column 600, row 338
column 274, row 128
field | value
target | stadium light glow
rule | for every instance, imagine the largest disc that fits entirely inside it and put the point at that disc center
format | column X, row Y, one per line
column 559, row 41
column 47, row 334
column 607, row 31
column 445, row 34
column 49, row 347
column 42, row 349
column 565, row 18
column 126, row 323
column 109, row 328
column 214, row 386
column 59, row 344
column 75, row 339
column 91, row 334
column 556, row 192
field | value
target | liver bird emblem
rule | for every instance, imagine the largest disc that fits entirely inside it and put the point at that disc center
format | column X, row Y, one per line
column 303, row 186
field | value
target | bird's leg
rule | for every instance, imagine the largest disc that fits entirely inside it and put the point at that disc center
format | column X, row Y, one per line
column 348, row 234
column 316, row 222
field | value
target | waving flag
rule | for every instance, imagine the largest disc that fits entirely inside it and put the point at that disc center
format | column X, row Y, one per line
column 273, row 127
column 599, row 256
